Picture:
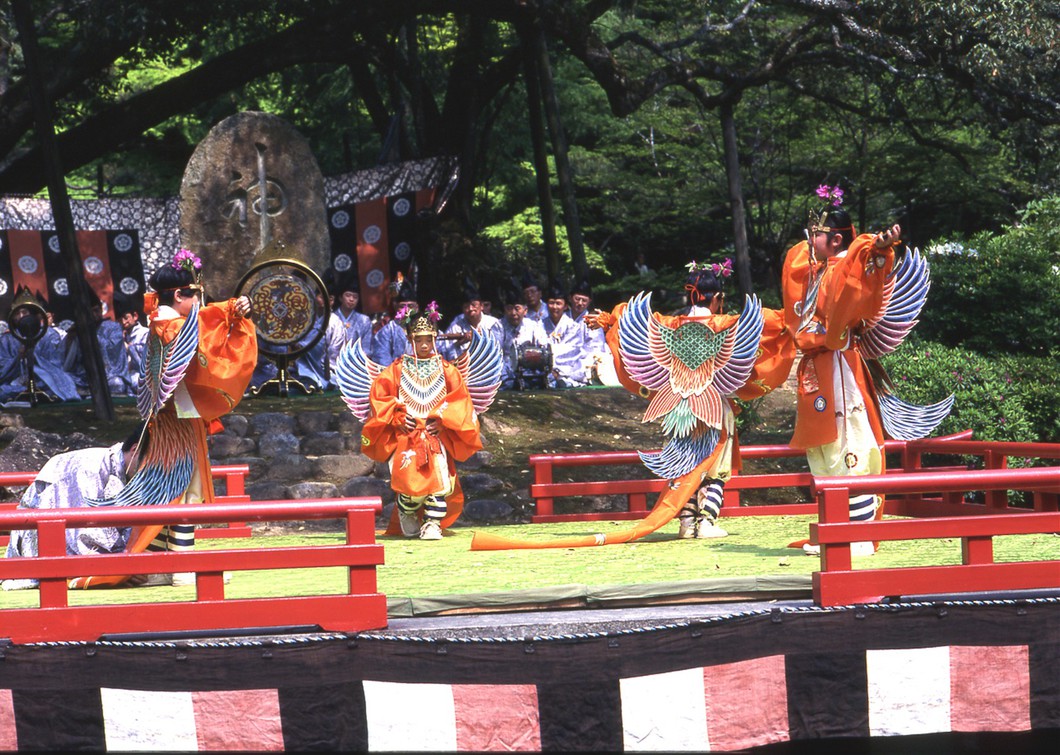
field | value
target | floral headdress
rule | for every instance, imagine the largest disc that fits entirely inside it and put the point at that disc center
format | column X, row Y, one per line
column 417, row 324
column 832, row 196
column 186, row 259
column 721, row 269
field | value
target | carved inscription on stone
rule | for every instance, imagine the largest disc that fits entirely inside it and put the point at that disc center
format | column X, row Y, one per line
column 253, row 179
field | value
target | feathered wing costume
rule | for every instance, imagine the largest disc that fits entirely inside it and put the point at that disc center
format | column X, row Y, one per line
column 458, row 393
column 195, row 370
column 904, row 295
column 688, row 368
column 860, row 320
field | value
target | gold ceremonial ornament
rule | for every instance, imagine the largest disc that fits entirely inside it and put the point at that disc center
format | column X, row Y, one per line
column 422, row 326
column 290, row 306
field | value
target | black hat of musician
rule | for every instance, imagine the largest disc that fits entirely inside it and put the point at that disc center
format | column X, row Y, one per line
column 405, row 291
column 347, row 283
column 529, row 279
column 512, row 294
column 554, row 291
column 470, row 291
column 328, row 279
column 581, row 286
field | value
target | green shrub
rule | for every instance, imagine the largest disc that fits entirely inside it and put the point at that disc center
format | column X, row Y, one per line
column 997, row 397
column 999, row 293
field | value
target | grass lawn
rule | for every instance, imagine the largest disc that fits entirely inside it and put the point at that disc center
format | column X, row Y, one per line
column 755, row 547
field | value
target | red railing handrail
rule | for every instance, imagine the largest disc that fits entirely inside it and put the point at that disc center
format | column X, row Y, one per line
column 1031, row 478
column 600, row 458
column 124, row 516
column 228, row 471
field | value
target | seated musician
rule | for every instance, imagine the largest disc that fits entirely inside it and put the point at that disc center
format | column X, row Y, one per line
column 524, row 346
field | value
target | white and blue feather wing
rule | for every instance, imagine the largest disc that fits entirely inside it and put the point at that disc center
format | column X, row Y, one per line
column 481, row 366
column 354, row 373
column 165, row 365
column 904, row 297
column 643, row 355
column 734, row 374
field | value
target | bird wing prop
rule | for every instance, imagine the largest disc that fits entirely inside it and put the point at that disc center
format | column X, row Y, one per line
column 166, row 469
column 481, row 365
column 164, row 365
column 692, row 370
column 354, row 373
column 903, row 298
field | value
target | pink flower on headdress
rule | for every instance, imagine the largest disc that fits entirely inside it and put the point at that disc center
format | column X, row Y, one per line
column 723, row 269
column 187, row 260
column 405, row 314
column 831, row 194
column 432, row 312
column 720, row 269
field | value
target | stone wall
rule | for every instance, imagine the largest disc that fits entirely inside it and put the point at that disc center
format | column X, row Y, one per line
column 317, row 454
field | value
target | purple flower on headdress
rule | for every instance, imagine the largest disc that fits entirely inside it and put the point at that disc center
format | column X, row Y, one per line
column 722, row 269
column 404, row 314
column 831, row 194
column 187, row 260
column 432, row 312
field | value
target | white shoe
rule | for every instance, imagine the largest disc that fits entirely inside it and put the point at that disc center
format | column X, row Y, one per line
column 157, row 580
column 184, row 579
column 811, row 550
column 862, row 548
column 708, row 530
column 686, row 528
column 410, row 524
column 431, row 530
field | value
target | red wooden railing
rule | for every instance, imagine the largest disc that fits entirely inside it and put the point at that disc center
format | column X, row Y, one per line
column 234, row 476
column 360, row 608
column 544, row 489
column 838, row 584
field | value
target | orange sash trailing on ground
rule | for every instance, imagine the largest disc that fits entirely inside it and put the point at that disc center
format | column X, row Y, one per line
column 666, row 508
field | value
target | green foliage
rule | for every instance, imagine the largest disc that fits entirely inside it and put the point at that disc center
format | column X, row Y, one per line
column 1001, row 398
column 999, row 293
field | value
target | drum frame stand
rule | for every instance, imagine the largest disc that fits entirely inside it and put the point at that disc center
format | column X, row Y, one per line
column 282, row 380
column 32, row 393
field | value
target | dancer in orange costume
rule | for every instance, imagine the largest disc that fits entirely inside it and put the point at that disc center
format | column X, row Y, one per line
column 688, row 367
column 420, row 414
column 847, row 303
column 197, row 366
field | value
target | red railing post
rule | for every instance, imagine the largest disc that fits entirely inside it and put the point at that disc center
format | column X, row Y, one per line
column 51, row 541
column 977, row 550
column 542, row 476
column 834, row 507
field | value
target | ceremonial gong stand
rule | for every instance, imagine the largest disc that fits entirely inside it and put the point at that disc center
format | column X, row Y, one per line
column 27, row 308
column 32, row 394
column 282, row 379
column 291, row 311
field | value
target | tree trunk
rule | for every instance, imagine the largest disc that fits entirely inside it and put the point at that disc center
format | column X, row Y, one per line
column 563, row 172
column 739, row 216
column 64, row 221
column 531, row 74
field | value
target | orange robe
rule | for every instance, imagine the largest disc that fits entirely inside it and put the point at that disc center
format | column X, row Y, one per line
column 851, row 292
column 414, row 456
column 213, row 385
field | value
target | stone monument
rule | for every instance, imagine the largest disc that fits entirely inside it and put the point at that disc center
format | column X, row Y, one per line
column 252, row 181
